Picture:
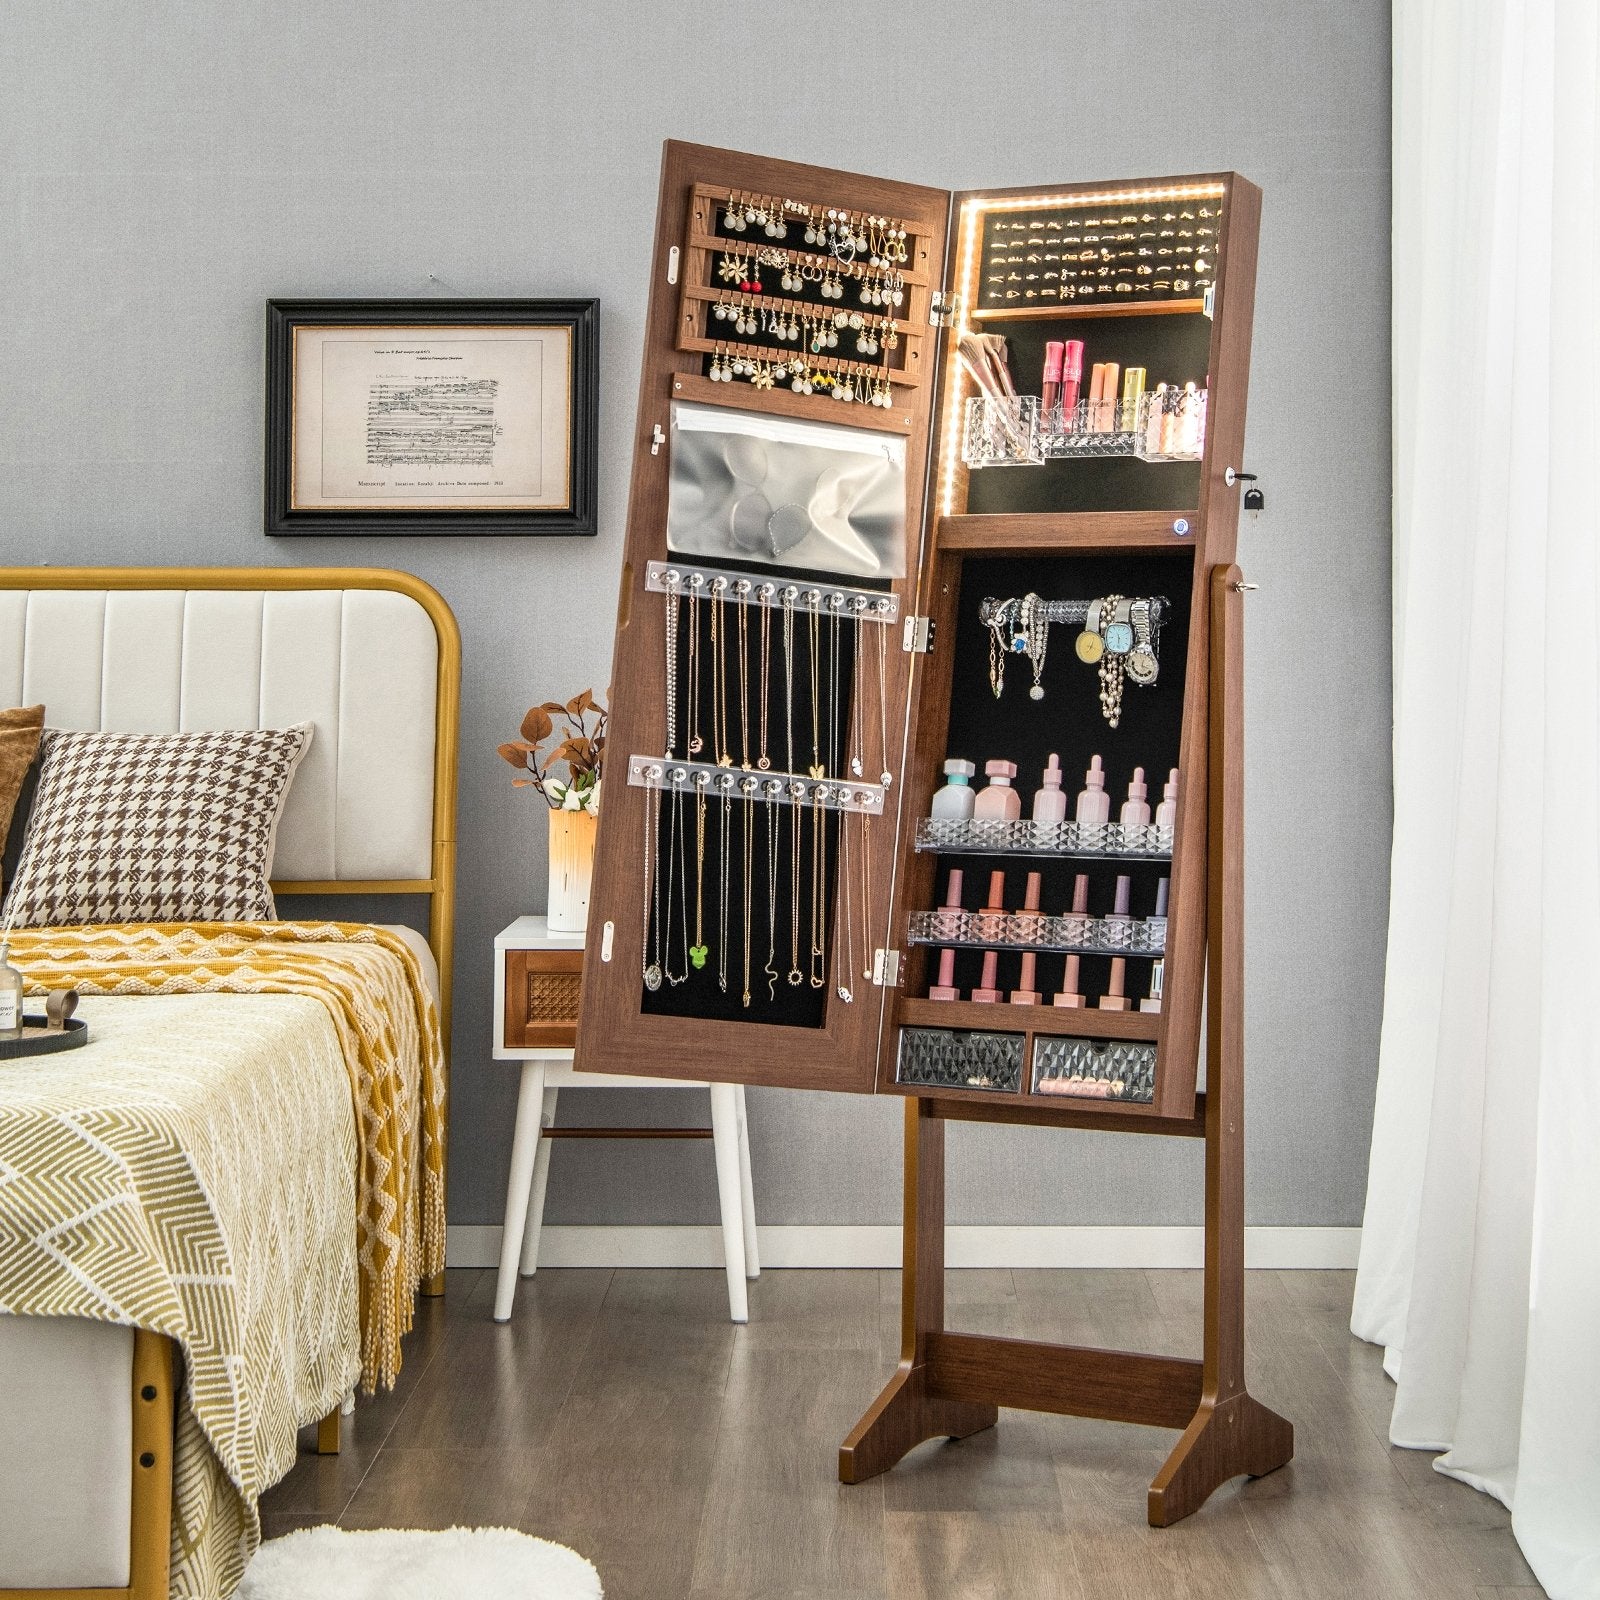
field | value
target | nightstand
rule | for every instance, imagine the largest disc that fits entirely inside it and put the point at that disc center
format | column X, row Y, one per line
column 537, row 975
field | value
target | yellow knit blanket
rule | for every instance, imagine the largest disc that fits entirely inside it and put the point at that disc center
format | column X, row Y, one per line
column 386, row 1023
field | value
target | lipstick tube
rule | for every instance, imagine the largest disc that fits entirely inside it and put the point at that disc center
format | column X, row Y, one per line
column 1071, row 378
column 1132, row 394
column 1108, row 398
column 1050, row 389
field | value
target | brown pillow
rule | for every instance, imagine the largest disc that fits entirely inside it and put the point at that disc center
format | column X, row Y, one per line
column 19, row 744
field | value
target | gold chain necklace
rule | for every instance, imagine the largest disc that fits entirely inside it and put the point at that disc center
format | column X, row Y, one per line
column 749, row 842
column 696, row 743
column 814, row 625
column 724, row 873
column 774, row 816
column 764, row 594
column 819, row 875
column 698, row 951
column 796, row 976
column 744, row 678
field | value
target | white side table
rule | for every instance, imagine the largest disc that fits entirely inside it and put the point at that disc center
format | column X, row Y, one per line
column 536, row 978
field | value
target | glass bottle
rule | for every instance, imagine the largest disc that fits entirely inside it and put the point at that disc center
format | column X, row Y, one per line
column 10, row 996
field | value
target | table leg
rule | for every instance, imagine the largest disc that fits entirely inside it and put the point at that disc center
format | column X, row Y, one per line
column 541, row 1181
column 747, row 1194
column 524, row 1148
column 725, row 1140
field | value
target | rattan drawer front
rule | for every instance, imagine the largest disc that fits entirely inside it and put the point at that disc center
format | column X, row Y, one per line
column 542, row 994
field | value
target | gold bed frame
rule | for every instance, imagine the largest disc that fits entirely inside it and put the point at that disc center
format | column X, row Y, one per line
column 154, row 1364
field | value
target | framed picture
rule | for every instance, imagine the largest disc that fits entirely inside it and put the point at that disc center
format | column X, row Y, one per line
column 431, row 416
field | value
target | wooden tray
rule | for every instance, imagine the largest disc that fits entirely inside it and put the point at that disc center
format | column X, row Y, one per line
column 37, row 1040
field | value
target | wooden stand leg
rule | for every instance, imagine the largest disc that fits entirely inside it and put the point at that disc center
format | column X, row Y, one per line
column 1231, row 1433
column 906, row 1413
column 328, row 1434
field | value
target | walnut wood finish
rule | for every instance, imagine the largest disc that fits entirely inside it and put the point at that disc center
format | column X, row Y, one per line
column 1078, row 532
column 539, row 985
column 614, row 1034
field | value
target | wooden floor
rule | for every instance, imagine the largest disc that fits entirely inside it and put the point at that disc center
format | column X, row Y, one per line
column 621, row 1413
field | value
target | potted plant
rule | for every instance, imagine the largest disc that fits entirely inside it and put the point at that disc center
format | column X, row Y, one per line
column 578, row 730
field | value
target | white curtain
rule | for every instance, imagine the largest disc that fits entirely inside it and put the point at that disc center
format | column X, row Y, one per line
column 1480, row 1258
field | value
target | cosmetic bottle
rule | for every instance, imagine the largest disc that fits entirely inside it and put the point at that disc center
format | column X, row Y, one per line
column 991, row 921
column 1097, row 393
column 10, row 996
column 950, row 920
column 1156, row 923
column 1152, row 1001
column 1108, row 398
column 1030, row 918
column 1167, row 811
column 1049, row 801
column 1071, row 378
column 1114, row 999
column 997, row 799
column 1155, row 421
column 955, row 799
column 986, row 993
column 1050, row 389
column 1136, row 808
column 945, row 988
column 1094, row 804
column 1071, row 995
column 1132, row 394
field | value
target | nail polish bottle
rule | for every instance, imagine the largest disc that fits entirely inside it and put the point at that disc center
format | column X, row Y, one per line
column 945, row 988
column 1136, row 808
column 986, row 993
column 1025, row 994
column 1152, row 1002
column 991, row 921
column 1167, row 811
column 949, row 920
column 997, row 799
column 1114, row 999
column 1070, row 995
column 1049, row 801
column 954, row 800
column 1156, row 923
column 1094, row 804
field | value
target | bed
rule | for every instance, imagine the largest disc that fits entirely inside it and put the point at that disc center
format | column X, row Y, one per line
column 99, row 1415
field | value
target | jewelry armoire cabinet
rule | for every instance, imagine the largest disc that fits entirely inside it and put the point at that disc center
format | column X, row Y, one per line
column 852, row 541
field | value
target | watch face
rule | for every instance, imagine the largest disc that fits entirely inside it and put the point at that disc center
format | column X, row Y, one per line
column 1141, row 665
column 1119, row 638
column 1090, row 647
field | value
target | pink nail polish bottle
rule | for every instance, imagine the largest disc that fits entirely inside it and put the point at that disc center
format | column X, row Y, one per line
column 945, row 988
column 948, row 919
column 1070, row 995
column 1115, row 998
column 986, row 993
column 997, row 799
column 1025, row 994
column 991, row 925
column 1152, row 1001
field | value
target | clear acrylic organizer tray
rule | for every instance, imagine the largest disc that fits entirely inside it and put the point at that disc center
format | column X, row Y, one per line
column 1018, row 930
column 1168, row 424
column 989, row 836
column 953, row 1058
column 1095, row 1069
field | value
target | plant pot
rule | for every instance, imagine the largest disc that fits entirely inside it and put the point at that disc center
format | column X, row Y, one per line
column 572, row 836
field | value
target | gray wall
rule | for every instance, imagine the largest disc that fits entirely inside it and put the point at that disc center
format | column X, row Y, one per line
column 165, row 167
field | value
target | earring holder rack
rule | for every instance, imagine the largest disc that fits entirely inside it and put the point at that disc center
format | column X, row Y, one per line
column 1092, row 526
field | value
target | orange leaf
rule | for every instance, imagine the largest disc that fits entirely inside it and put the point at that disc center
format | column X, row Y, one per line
column 515, row 754
column 537, row 725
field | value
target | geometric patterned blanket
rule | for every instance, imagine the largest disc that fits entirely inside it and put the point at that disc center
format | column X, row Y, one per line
column 196, row 1170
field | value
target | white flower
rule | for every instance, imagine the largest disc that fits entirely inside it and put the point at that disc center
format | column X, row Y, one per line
column 573, row 801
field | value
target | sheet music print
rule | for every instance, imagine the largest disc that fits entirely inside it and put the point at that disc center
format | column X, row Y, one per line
column 433, row 422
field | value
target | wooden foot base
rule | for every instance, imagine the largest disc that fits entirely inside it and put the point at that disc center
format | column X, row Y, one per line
column 1226, row 1438
column 328, row 1434
column 902, row 1417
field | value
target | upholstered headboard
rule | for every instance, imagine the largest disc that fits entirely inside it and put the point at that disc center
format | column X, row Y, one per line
column 371, row 658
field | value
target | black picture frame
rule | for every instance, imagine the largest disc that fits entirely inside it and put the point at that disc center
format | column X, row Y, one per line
column 577, row 517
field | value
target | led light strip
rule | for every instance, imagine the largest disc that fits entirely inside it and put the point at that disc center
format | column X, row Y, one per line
column 1035, row 202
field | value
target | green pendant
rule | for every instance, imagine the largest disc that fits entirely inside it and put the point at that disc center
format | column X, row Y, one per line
column 698, row 954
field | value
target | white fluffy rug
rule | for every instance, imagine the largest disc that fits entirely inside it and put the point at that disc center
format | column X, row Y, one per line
column 390, row 1564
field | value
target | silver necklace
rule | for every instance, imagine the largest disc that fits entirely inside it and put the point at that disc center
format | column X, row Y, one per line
column 652, row 879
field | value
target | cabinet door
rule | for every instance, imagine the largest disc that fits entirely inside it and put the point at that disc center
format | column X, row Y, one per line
column 774, row 538
column 1055, row 967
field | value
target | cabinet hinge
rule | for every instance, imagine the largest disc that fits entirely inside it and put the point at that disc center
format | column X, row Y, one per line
column 918, row 636
column 886, row 968
column 944, row 308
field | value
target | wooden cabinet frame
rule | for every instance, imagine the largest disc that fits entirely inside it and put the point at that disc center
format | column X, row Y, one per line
column 950, row 1383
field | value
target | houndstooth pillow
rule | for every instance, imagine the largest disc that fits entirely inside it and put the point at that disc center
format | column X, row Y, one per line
column 157, row 827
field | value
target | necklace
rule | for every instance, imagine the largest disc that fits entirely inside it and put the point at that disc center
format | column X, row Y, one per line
column 866, row 902
column 698, row 951
column 845, row 951
column 885, row 777
column 672, row 662
column 719, row 674
column 652, row 894
column 748, row 840
column 998, row 645
column 675, row 869
column 819, row 874
column 835, row 760
column 858, row 696
column 724, row 873
column 796, row 976
column 744, row 678
column 764, row 596
column 1035, row 621
column 771, row 969
column 696, row 743
column 788, row 675
column 814, row 625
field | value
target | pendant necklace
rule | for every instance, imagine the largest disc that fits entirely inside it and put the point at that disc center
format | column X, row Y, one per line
column 835, row 762
column 796, row 976
column 719, row 673
column 819, row 874
column 845, row 951
column 866, row 901
column 858, row 697
column 773, row 818
column 788, row 676
column 672, row 664
column 743, row 588
column 814, row 627
column 748, row 840
column 652, row 885
column 885, row 777
column 764, row 596
column 676, row 870
column 698, row 951
column 696, row 743
column 724, row 873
